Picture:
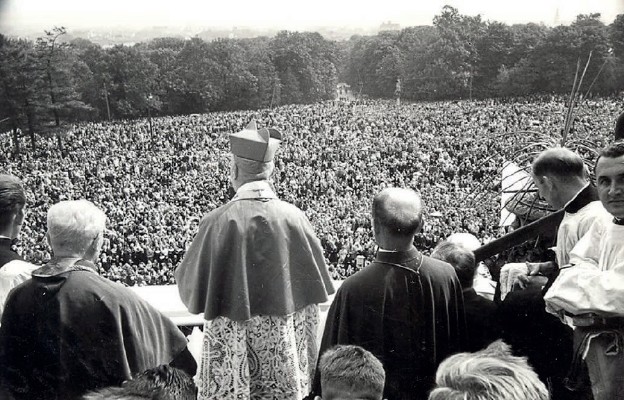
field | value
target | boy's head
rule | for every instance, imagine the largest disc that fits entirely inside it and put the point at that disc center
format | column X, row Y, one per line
column 349, row 373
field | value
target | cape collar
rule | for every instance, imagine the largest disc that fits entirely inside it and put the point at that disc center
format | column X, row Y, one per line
column 582, row 198
column 57, row 266
column 255, row 190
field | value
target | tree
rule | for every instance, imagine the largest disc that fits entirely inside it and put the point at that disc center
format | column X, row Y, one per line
column 193, row 85
column 56, row 61
column 456, row 50
column 494, row 49
column 233, row 82
column 265, row 88
column 355, row 72
column 19, row 82
column 163, row 54
column 305, row 65
column 92, row 76
column 132, row 81
column 616, row 36
column 594, row 38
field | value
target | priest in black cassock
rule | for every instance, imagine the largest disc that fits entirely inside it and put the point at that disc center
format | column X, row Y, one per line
column 405, row 308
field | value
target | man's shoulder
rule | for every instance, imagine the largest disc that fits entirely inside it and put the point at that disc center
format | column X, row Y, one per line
column 374, row 272
column 16, row 267
column 7, row 255
column 591, row 212
column 242, row 211
column 103, row 289
column 438, row 268
column 371, row 273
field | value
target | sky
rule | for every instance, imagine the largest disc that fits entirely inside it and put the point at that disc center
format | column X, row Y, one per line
column 282, row 14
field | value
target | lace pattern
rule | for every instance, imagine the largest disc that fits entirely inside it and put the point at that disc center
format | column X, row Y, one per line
column 266, row 357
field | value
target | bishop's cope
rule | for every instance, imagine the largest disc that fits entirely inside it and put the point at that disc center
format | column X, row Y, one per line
column 257, row 272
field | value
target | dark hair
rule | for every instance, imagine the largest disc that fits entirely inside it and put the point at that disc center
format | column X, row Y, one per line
column 613, row 150
column 12, row 197
column 462, row 259
column 560, row 162
column 352, row 367
column 399, row 221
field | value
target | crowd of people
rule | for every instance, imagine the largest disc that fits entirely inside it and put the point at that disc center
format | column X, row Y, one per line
column 156, row 178
column 258, row 267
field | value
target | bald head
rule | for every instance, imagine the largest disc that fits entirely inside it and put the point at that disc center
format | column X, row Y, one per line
column 397, row 212
column 559, row 162
column 559, row 174
column 466, row 240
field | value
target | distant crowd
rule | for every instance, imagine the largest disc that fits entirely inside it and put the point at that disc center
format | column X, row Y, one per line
column 156, row 183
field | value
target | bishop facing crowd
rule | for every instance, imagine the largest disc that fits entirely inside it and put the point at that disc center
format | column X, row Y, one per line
column 405, row 326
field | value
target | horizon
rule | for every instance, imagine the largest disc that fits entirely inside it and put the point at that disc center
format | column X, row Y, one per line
column 16, row 15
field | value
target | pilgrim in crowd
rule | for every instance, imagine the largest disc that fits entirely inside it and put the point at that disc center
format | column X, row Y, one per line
column 257, row 270
column 333, row 158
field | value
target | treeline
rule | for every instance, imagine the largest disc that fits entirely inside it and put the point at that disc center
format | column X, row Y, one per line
column 45, row 83
column 51, row 81
column 463, row 56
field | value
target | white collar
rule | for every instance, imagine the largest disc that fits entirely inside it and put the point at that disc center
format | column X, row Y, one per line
column 380, row 250
column 254, row 185
column 255, row 190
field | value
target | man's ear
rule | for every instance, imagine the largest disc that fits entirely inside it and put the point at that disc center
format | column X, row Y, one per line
column 318, row 398
column 541, row 179
column 548, row 181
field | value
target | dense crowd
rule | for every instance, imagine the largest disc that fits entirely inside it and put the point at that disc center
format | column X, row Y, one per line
column 156, row 179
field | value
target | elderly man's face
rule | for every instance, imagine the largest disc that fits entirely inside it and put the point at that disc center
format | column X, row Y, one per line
column 610, row 184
